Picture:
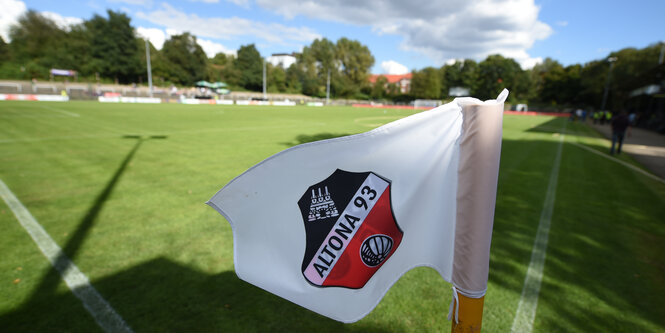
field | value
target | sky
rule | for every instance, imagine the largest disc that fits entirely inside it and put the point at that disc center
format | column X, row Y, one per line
column 402, row 35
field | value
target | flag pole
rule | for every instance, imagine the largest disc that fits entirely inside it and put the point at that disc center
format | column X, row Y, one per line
column 470, row 314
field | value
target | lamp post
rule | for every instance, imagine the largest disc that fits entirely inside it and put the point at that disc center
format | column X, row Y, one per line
column 328, row 88
column 147, row 58
column 265, row 96
column 611, row 60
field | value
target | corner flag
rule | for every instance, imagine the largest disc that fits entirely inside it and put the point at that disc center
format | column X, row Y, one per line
column 332, row 225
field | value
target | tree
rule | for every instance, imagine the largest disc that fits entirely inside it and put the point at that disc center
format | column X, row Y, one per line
column 114, row 47
column 250, row 65
column 426, row 83
column 220, row 59
column 276, row 78
column 496, row 73
column 323, row 52
column 36, row 43
column 317, row 60
column 356, row 60
column 293, row 78
column 186, row 59
column 4, row 51
column 458, row 74
column 379, row 88
column 76, row 50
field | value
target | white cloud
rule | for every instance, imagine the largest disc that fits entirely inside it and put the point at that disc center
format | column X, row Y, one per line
column 11, row 11
column 562, row 23
column 63, row 22
column 155, row 36
column 531, row 62
column 158, row 36
column 145, row 3
column 170, row 32
column 241, row 3
column 211, row 48
column 393, row 67
column 453, row 61
column 441, row 30
column 226, row 28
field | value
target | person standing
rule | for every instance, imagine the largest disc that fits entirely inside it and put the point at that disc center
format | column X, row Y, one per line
column 620, row 124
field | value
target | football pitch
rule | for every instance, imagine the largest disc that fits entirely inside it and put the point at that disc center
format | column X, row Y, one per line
column 120, row 188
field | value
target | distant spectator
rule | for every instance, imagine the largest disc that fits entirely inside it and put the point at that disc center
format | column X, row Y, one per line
column 620, row 124
column 631, row 118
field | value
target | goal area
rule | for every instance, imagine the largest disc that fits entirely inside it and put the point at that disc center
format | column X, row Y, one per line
column 426, row 103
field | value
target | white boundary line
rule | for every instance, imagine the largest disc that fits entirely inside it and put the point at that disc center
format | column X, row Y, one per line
column 634, row 168
column 79, row 284
column 71, row 114
column 526, row 309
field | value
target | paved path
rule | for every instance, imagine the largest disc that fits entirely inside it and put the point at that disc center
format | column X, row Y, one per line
column 647, row 147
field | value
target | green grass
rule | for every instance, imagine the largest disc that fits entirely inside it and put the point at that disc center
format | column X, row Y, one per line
column 121, row 189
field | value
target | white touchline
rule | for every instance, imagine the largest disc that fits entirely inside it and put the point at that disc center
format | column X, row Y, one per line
column 61, row 111
column 620, row 162
column 526, row 309
column 100, row 310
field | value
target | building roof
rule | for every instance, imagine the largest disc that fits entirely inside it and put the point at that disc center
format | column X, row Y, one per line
column 392, row 78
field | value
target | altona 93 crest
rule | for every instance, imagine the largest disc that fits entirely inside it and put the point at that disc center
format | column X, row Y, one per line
column 350, row 228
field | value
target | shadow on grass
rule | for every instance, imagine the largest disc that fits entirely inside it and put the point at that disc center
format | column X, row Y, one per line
column 603, row 259
column 602, row 271
column 47, row 287
column 573, row 128
column 305, row 138
column 164, row 296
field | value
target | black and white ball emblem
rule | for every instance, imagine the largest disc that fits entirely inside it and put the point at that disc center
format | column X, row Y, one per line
column 375, row 249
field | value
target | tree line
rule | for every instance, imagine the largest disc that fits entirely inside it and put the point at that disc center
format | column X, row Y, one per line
column 108, row 49
column 548, row 84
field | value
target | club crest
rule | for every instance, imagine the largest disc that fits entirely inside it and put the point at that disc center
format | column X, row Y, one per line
column 350, row 228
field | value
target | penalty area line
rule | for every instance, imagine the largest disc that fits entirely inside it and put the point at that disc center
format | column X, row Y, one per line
column 78, row 283
column 526, row 309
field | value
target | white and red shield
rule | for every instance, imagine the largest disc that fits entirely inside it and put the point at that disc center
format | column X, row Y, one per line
column 351, row 230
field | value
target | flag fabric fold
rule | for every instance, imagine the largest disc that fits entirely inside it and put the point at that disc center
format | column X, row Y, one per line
column 332, row 225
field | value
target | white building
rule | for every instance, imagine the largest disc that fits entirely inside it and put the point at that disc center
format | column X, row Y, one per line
column 284, row 60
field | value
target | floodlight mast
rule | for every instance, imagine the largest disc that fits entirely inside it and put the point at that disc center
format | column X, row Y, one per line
column 147, row 58
column 328, row 88
column 264, row 80
column 611, row 60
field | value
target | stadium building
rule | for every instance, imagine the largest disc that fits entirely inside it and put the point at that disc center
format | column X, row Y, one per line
column 284, row 60
column 403, row 81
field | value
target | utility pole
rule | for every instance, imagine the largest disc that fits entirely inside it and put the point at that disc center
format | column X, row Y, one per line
column 264, row 80
column 147, row 58
column 328, row 88
column 607, row 82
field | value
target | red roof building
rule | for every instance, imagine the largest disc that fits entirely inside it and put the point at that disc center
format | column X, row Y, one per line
column 403, row 81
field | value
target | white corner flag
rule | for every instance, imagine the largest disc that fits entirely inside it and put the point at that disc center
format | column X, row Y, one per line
column 332, row 225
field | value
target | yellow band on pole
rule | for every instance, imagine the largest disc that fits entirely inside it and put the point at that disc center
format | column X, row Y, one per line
column 470, row 315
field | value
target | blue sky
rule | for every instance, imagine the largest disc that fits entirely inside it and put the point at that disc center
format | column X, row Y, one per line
column 402, row 35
